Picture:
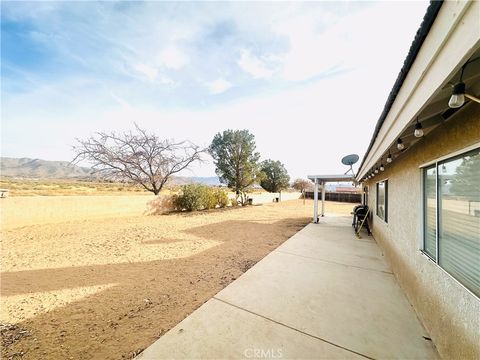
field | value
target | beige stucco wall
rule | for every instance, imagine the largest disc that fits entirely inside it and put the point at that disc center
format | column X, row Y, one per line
column 450, row 313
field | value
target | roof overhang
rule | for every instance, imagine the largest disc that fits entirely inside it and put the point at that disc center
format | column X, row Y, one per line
column 453, row 38
column 331, row 178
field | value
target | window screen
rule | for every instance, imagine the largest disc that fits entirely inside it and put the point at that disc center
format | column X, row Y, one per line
column 452, row 217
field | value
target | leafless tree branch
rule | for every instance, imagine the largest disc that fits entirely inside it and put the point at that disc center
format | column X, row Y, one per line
column 136, row 156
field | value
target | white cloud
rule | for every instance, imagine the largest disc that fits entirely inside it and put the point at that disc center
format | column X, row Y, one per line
column 357, row 40
column 149, row 71
column 219, row 86
column 174, row 58
column 255, row 66
column 308, row 126
column 153, row 74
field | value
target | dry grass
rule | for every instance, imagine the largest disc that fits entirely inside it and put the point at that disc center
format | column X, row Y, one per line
column 31, row 187
column 105, row 288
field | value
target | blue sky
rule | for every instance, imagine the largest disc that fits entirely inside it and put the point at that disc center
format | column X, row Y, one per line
column 308, row 79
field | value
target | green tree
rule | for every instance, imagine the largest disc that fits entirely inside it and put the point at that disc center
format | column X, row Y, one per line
column 236, row 161
column 275, row 176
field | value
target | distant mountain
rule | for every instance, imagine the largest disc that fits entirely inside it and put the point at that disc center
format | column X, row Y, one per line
column 42, row 169
column 183, row 180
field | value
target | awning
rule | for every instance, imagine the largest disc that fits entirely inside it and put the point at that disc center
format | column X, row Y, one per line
column 322, row 180
column 330, row 178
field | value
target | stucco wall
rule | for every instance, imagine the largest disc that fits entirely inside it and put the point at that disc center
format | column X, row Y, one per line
column 450, row 313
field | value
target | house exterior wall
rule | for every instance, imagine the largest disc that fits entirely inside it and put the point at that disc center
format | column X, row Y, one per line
column 449, row 312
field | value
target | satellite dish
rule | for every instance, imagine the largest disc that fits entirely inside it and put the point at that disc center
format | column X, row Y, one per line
column 349, row 160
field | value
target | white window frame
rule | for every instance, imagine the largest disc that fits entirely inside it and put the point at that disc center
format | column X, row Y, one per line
column 422, row 214
column 421, row 243
column 386, row 199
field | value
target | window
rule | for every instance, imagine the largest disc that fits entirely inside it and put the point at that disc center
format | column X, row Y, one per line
column 430, row 211
column 451, row 202
column 382, row 200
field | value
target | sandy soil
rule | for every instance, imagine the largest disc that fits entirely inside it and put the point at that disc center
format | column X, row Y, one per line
column 108, row 288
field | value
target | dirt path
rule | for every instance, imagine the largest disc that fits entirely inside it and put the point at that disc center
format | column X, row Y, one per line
column 108, row 288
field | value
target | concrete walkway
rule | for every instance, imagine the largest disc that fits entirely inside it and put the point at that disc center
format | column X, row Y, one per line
column 323, row 294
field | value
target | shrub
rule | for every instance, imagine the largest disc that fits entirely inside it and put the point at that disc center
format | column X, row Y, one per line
column 210, row 199
column 192, row 198
column 162, row 204
column 234, row 202
column 221, row 197
column 196, row 197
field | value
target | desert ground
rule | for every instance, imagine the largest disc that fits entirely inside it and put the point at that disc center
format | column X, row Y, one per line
column 106, row 288
column 60, row 187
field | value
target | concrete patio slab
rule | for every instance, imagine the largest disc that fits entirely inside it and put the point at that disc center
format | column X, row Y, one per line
column 322, row 294
column 339, row 246
column 220, row 331
column 361, row 310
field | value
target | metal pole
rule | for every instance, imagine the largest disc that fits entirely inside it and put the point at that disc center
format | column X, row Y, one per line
column 323, row 198
column 315, row 201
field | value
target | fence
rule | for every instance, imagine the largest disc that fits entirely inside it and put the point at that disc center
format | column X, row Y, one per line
column 340, row 197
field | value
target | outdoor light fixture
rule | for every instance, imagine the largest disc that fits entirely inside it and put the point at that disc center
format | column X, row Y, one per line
column 458, row 93
column 381, row 167
column 376, row 171
column 389, row 158
column 418, row 130
column 400, row 145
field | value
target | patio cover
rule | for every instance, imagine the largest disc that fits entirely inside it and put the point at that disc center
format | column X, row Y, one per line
column 322, row 180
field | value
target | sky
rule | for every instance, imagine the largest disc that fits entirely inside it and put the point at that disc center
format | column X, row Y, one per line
column 309, row 80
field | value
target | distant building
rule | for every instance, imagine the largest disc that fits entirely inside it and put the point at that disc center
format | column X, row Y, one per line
column 421, row 177
column 348, row 190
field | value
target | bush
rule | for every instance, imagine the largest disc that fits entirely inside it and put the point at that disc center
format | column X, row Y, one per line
column 221, row 197
column 196, row 197
column 192, row 198
column 162, row 204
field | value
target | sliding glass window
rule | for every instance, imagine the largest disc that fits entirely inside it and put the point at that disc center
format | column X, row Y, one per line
column 452, row 217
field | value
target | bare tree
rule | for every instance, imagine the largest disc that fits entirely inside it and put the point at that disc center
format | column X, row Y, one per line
column 303, row 186
column 136, row 156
